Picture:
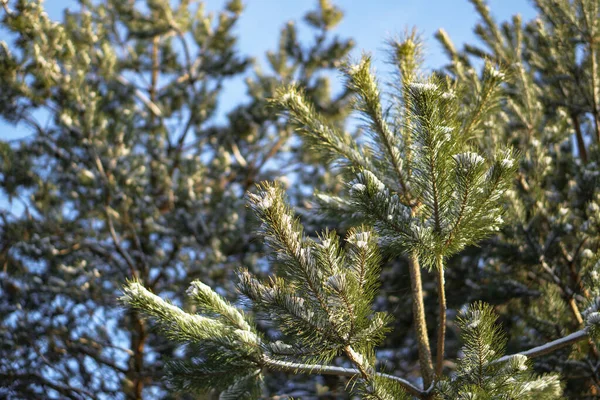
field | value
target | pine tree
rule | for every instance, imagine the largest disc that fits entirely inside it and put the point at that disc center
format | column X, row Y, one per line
column 541, row 270
column 125, row 173
column 420, row 186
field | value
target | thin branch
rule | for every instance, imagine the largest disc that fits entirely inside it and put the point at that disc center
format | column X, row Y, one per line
column 138, row 246
column 372, row 104
column 155, row 68
column 107, row 254
column 255, row 170
column 6, row 8
column 317, row 369
column 570, row 296
column 425, row 360
column 579, row 136
column 354, row 357
column 69, row 392
column 96, row 356
column 568, row 293
column 591, row 36
column 548, row 347
column 142, row 97
column 169, row 260
column 441, row 335
column 238, row 156
column 180, row 143
column 575, row 273
column 117, row 243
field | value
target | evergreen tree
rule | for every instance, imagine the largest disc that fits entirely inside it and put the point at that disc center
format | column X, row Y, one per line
column 541, row 270
column 130, row 177
column 421, row 186
column 125, row 173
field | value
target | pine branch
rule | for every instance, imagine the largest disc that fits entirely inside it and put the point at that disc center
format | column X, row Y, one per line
column 365, row 263
column 492, row 37
column 207, row 300
column 487, row 99
column 432, row 112
column 382, row 208
column 182, row 326
column 479, row 213
column 284, row 236
column 549, row 347
column 313, row 369
column 280, row 302
column 365, row 85
column 325, row 138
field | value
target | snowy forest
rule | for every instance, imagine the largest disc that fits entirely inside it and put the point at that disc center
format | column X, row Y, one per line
column 340, row 233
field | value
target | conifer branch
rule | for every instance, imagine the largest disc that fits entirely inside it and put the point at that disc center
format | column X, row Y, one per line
column 239, row 338
column 284, row 236
column 358, row 360
column 569, row 295
column 337, row 371
column 442, row 36
column 432, row 113
column 310, row 123
column 407, row 56
column 435, row 195
column 365, row 85
column 277, row 299
column 549, row 347
column 487, row 99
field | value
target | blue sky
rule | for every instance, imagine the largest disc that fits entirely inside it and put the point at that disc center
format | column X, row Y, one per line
column 370, row 23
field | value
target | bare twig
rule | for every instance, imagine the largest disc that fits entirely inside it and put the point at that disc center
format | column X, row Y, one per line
column 548, row 347
column 579, row 136
column 338, row 371
column 142, row 97
column 419, row 320
column 117, row 243
column 441, row 335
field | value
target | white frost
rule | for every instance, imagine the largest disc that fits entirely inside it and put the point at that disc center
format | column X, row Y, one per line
column 423, row 87
column 496, row 73
column 358, row 188
column 360, row 239
column 369, row 176
column 507, row 163
column 354, row 69
column 265, row 203
column 593, row 319
column 469, row 159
